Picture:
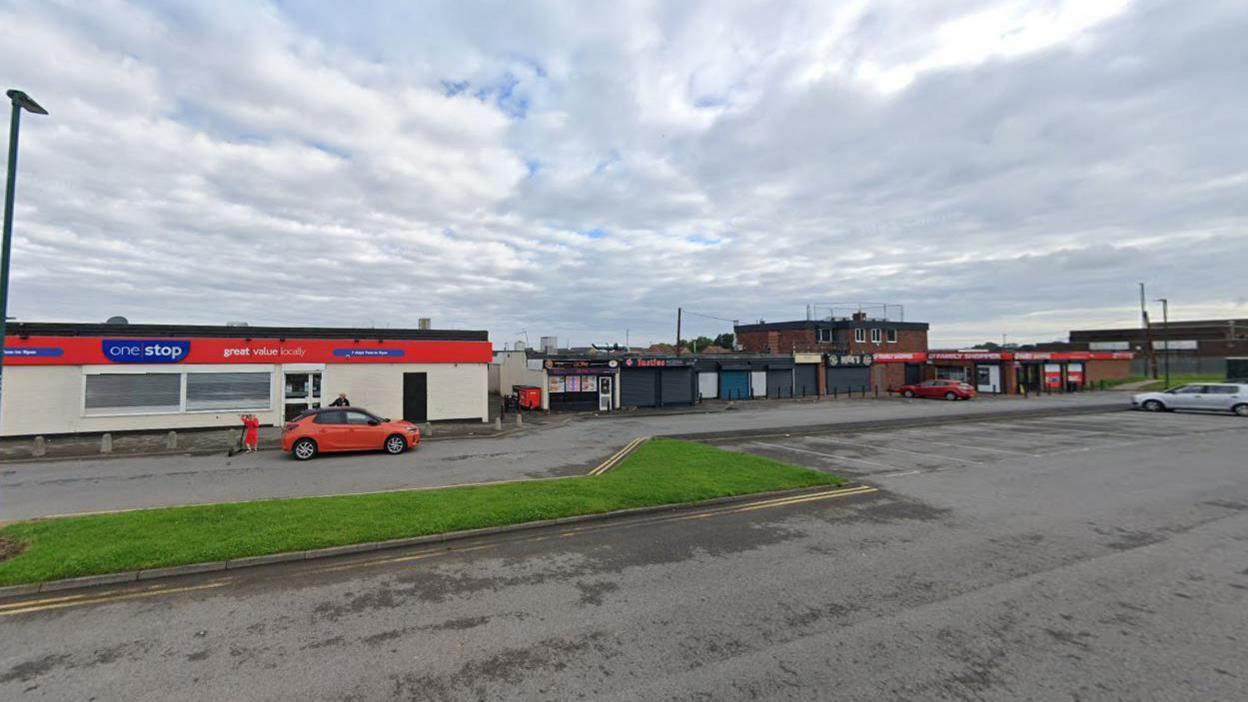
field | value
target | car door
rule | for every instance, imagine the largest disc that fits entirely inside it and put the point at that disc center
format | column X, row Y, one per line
column 1220, row 397
column 932, row 388
column 331, row 430
column 1188, row 397
column 365, row 430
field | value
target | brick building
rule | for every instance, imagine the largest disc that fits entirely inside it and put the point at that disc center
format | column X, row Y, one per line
column 856, row 335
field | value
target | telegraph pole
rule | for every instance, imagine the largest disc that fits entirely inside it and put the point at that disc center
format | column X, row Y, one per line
column 678, row 313
column 1165, row 330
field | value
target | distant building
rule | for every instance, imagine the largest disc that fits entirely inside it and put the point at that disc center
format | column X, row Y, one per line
column 854, row 336
column 1205, row 337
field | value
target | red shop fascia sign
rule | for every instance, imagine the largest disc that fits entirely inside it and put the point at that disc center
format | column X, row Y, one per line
column 85, row 350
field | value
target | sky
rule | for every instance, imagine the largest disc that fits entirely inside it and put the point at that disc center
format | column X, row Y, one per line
column 583, row 169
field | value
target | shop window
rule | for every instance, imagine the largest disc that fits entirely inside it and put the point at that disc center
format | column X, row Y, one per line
column 825, row 336
column 132, row 393
column 875, row 336
column 951, row 373
column 860, row 335
column 891, row 336
column 228, row 391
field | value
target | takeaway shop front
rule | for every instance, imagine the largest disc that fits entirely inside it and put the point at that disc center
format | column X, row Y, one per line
column 69, row 378
column 657, row 381
column 583, row 384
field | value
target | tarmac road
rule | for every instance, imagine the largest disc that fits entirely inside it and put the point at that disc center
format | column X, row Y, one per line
column 1048, row 559
column 35, row 489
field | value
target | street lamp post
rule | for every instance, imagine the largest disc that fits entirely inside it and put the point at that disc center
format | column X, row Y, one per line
column 1165, row 330
column 21, row 101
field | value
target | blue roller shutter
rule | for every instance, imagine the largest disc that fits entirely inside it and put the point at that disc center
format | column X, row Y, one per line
column 734, row 385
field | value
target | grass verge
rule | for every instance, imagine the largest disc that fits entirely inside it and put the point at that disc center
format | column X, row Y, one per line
column 662, row 471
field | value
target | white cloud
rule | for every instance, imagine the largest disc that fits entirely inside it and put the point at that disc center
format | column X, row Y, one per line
column 582, row 169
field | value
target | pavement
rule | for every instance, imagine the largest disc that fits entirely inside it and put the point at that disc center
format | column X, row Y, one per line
column 561, row 446
column 1092, row 558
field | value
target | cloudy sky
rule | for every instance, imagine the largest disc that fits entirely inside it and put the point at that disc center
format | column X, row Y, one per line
column 584, row 168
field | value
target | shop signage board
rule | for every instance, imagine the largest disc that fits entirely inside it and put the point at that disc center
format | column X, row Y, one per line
column 967, row 356
column 658, row 362
column 83, row 350
column 580, row 366
column 849, row 360
column 900, row 357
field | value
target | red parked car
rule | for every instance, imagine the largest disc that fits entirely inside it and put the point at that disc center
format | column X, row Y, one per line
column 331, row 429
column 947, row 389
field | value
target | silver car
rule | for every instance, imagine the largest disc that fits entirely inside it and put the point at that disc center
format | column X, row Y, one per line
column 1215, row 397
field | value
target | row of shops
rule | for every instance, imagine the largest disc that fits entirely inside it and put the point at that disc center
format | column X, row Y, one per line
column 1013, row 372
column 606, row 384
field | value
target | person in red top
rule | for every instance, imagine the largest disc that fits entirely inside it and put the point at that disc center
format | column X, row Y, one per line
column 251, row 429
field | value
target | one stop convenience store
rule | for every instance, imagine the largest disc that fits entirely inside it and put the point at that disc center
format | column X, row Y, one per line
column 67, row 378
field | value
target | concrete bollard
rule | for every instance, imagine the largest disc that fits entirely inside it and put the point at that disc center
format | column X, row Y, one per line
column 519, row 418
column 427, row 430
column 171, row 440
column 498, row 424
column 106, row 443
column 40, row 447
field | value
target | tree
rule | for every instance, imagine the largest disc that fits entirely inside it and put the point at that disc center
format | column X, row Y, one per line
column 725, row 340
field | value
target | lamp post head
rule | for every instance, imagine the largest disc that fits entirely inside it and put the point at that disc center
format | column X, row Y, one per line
column 24, row 101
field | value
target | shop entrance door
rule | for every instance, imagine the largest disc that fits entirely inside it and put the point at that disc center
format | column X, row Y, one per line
column 988, row 378
column 415, row 397
column 301, row 390
column 605, row 394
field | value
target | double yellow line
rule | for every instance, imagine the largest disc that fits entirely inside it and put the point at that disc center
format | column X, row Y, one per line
column 61, row 602
column 47, row 603
column 619, row 455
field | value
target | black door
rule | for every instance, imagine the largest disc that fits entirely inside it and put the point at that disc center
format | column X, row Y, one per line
column 914, row 374
column 415, row 397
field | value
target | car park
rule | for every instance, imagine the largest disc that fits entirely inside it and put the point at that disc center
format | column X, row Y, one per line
column 333, row 429
column 1210, row 397
column 939, row 389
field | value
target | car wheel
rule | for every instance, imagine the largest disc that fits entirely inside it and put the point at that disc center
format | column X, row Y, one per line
column 1241, row 410
column 395, row 445
column 951, row 396
column 303, row 450
column 908, row 393
column 1154, row 406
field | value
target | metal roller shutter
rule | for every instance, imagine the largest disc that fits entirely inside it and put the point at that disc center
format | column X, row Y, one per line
column 780, row 383
column 843, row 380
column 806, row 380
column 734, row 385
column 637, row 387
column 677, row 386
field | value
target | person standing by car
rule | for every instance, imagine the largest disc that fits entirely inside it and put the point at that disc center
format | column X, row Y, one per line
column 251, row 432
column 342, row 401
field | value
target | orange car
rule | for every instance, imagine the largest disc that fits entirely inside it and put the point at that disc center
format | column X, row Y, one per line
column 346, row 429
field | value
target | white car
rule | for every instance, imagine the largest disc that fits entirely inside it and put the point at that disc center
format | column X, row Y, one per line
column 1215, row 397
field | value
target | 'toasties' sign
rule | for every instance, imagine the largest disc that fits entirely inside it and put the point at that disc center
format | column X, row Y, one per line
column 145, row 350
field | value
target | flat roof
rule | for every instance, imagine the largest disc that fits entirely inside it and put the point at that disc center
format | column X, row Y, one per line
column 162, row 331
column 833, row 324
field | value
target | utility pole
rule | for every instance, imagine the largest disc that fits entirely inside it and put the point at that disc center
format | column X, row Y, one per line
column 1165, row 331
column 1148, row 335
column 678, row 313
column 21, row 101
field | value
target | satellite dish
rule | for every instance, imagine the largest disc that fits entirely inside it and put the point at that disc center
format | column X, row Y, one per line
column 117, row 320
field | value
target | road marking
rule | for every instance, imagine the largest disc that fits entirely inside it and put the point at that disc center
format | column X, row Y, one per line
column 875, row 447
column 989, row 449
column 618, row 456
column 821, row 453
column 899, row 474
column 30, row 606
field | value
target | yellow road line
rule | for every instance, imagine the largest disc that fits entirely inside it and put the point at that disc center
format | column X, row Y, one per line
column 617, row 456
column 43, row 605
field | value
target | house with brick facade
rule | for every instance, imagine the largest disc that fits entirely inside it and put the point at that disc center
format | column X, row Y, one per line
column 856, row 337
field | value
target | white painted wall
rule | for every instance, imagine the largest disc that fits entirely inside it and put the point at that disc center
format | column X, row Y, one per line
column 708, row 385
column 456, row 390
column 758, row 383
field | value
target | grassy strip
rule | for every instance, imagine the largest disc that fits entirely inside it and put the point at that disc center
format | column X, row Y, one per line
column 662, row 471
